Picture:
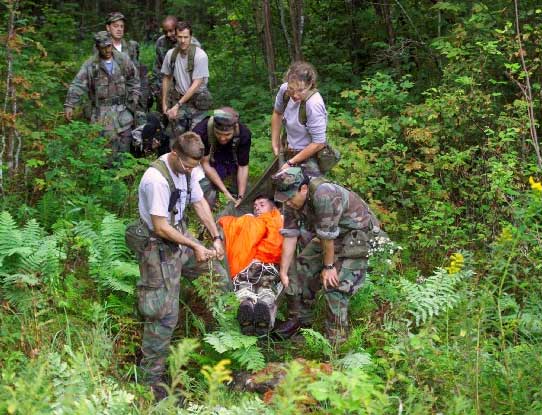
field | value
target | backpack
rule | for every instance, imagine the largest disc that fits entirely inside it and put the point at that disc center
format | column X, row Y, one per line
column 213, row 142
column 137, row 233
column 327, row 157
column 190, row 64
column 357, row 243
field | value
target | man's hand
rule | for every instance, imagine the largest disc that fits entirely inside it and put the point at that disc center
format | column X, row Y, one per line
column 172, row 112
column 285, row 166
column 219, row 249
column 68, row 113
column 330, row 278
column 238, row 201
column 203, row 254
column 284, row 279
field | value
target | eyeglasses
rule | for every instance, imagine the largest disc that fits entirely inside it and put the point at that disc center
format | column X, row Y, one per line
column 299, row 91
column 187, row 168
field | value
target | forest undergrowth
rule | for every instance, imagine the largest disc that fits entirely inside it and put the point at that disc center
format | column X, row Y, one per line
column 437, row 140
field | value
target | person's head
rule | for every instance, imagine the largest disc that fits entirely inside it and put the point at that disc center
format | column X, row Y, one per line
column 183, row 32
column 104, row 44
column 225, row 121
column 301, row 78
column 262, row 204
column 292, row 187
column 114, row 24
column 187, row 150
column 168, row 28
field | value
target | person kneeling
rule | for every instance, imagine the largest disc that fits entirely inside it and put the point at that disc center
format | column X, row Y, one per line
column 253, row 248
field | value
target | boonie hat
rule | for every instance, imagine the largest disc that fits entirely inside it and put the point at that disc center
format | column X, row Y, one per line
column 103, row 38
column 225, row 119
column 287, row 183
column 113, row 17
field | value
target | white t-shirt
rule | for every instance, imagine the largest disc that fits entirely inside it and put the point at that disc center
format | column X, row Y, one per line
column 154, row 193
column 181, row 75
column 299, row 135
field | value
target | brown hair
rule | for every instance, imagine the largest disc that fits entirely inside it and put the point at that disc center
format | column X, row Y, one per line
column 183, row 25
column 302, row 72
column 189, row 144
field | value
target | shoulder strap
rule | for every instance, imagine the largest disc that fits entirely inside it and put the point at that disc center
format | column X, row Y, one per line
column 191, row 57
column 303, row 107
column 160, row 165
column 119, row 59
column 173, row 59
column 235, row 144
column 315, row 182
column 212, row 138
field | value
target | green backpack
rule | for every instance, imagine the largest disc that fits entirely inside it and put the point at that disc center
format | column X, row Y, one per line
column 137, row 233
column 202, row 100
column 327, row 157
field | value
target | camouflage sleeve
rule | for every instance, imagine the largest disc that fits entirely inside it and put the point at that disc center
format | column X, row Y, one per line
column 157, row 68
column 328, row 209
column 291, row 224
column 133, row 85
column 134, row 49
column 78, row 87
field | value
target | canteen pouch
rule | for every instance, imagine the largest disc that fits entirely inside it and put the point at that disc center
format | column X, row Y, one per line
column 137, row 236
column 328, row 157
column 355, row 245
column 203, row 100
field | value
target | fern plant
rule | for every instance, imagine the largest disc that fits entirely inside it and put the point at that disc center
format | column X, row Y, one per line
column 110, row 262
column 30, row 261
column 434, row 294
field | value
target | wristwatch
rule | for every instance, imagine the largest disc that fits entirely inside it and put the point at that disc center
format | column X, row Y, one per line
column 328, row 266
column 218, row 238
column 289, row 163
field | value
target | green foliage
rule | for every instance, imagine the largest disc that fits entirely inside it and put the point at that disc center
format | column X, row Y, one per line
column 316, row 343
column 30, row 263
column 110, row 263
column 432, row 295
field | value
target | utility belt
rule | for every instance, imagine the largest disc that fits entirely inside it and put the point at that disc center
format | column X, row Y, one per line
column 138, row 236
column 360, row 243
column 111, row 101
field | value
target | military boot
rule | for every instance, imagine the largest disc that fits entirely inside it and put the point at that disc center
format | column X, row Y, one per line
column 245, row 317
column 291, row 326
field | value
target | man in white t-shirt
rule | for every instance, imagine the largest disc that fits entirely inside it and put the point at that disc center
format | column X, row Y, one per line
column 171, row 251
column 186, row 67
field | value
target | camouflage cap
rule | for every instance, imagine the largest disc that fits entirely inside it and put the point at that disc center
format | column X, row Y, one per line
column 225, row 119
column 287, row 183
column 103, row 38
column 113, row 17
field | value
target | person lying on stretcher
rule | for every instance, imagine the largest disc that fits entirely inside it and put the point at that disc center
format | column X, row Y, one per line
column 253, row 249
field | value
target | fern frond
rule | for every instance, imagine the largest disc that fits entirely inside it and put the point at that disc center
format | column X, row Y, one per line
column 223, row 341
column 355, row 360
column 250, row 358
column 10, row 235
column 435, row 294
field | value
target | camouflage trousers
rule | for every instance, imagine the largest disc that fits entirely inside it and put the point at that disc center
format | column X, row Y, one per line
column 351, row 273
column 210, row 191
column 161, row 266
column 259, row 283
column 188, row 116
column 117, row 123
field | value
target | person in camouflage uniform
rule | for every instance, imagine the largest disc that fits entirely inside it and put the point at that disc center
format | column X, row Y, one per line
column 111, row 82
column 115, row 24
column 164, row 43
column 334, row 214
column 171, row 251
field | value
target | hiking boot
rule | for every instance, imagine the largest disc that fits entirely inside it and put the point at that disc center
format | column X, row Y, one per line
column 262, row 318
column 245, row 317
column 288, row 328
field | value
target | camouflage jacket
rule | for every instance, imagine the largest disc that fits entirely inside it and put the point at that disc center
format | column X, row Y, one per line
column 122, row 87
column 163, row 44
column 130, row 48
column 331, row 211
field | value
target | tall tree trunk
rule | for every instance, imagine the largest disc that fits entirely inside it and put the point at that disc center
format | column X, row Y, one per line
column 10, row 142
column 280, row 6
column 268, row 45
column 298, row 21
